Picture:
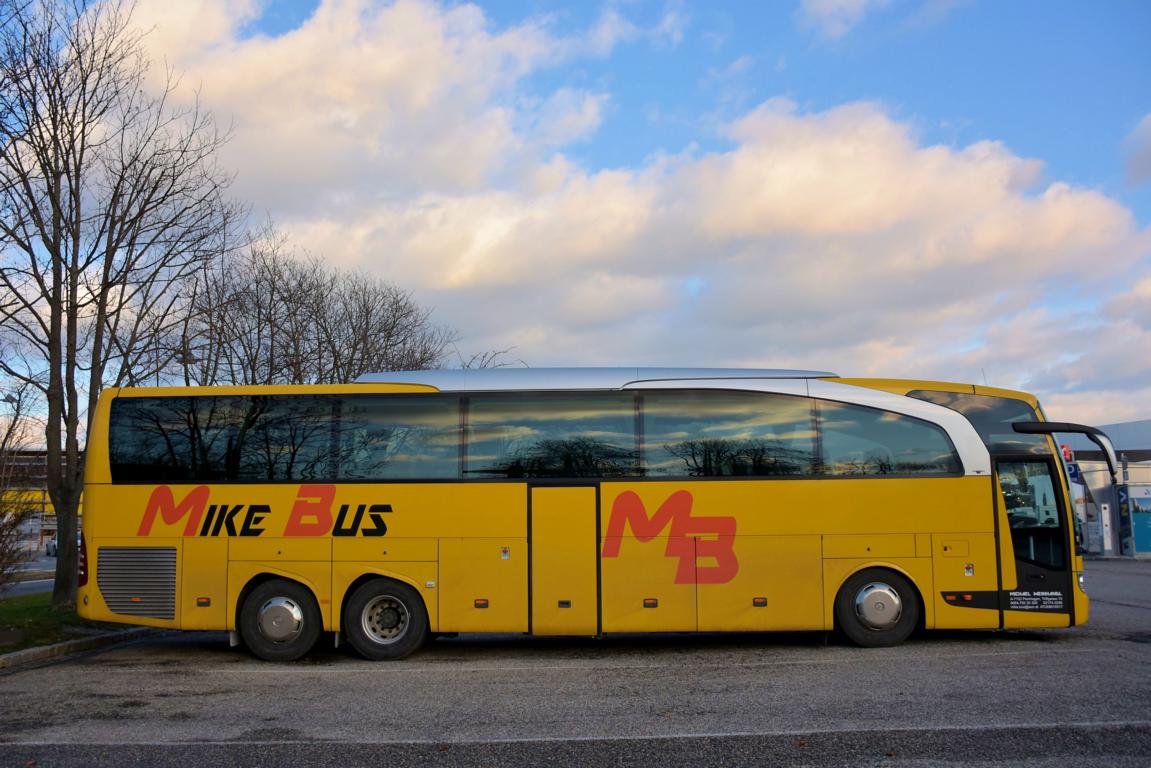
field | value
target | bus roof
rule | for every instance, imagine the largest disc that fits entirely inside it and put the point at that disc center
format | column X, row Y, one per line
column 496, row 379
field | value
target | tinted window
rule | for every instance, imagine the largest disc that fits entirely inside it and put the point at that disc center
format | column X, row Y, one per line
column 867, row 441
column 282, row 438
column 272, row 438
column 705, row 433
column 992, row 418
column 399, row 437
column 552, row 435
column 172, row 439
column 727, row 434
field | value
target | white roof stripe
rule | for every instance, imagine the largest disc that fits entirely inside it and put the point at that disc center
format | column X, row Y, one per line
column 500, row 379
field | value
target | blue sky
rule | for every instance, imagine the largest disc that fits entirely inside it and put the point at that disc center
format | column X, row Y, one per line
column 1064, row 81
column 953, row 189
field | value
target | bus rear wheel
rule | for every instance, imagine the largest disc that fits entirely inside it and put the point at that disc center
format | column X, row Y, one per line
column 385, row 620
column 279, row 620
column 876, row 608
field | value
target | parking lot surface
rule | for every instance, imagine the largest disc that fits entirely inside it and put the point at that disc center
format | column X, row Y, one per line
column 1062, row 698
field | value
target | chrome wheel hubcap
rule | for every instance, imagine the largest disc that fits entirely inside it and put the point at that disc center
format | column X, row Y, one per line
column 280, row 619
column 385, row 619
column 878, row 606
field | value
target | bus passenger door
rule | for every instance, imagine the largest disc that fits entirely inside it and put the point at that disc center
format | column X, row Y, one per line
column 563, row 578
column 1038, row 541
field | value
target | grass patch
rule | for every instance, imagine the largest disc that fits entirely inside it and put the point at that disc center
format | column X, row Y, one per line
column 30, row 620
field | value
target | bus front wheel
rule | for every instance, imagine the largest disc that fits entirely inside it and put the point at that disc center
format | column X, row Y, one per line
column 385, row 620
column 280, row 620
column 877, row 608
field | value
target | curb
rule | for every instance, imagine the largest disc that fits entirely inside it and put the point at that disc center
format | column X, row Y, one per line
column 22, row 576
column 1137, row 557
column 40, row 653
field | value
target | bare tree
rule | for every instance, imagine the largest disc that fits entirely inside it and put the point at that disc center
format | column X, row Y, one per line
column 493, row 358
column 109, row 199
column 14, row 501
column 266, row 316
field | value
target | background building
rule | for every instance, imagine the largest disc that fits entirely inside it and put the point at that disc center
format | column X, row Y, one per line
column 1117, row 518
column 26, row 494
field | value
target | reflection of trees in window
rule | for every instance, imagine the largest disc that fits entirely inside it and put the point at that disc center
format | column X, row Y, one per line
column 871, row 463
column 265, row 438
column 401, row 436
column 390, row 452
column 727, row 434
column 859, row 440
column 717, row 457
column 580, row 434
column 221, row 438
column 284, row 439
column 879, row 462
column 364, row 452
column 934, row 465
column 169, row 439
column 208, row 431
column 571, row 457
column 146, row 437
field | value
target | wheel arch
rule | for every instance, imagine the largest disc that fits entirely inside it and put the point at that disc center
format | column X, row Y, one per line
column 926, row 615
column 262, row 578
column 342, row 605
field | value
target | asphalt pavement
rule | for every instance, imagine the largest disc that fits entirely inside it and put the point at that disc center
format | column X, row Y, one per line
column 1057, row 698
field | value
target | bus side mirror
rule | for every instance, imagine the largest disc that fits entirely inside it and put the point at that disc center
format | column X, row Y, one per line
column 1094, row 435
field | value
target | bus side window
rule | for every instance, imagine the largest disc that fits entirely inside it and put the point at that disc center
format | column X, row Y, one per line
column 581, row 434
column 171, row 439
column 709, row 433
column 857, row 440
column 394, row 437
column 285, row 438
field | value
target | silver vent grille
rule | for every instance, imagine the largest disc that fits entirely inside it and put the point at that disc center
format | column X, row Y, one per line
column 138, row 581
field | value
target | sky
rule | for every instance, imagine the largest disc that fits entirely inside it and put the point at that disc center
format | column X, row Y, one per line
column 941, row 189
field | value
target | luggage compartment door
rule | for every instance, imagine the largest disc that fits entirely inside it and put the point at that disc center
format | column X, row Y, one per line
column 564, row 578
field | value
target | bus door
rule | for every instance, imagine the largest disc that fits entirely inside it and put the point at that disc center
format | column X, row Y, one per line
column 563, row 525
column 1038, row 541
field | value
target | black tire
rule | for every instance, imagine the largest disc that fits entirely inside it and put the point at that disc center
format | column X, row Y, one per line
column 280, row 620
column 385, row 620
column 866, row 602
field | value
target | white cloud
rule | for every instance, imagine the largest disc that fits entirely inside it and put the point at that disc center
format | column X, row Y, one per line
column 1097, row 369
column 1133, row 305
column 1137, row 148
column 370, row 101
column 835, row 18
column 672, row 26
column 933, row 12
column 567, row 116
column 611, row 29
column 403, row 139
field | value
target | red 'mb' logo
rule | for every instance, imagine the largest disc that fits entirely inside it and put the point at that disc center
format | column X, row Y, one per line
column 691, row 538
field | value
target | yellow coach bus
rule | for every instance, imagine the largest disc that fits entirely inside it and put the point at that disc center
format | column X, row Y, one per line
column 577, row 502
